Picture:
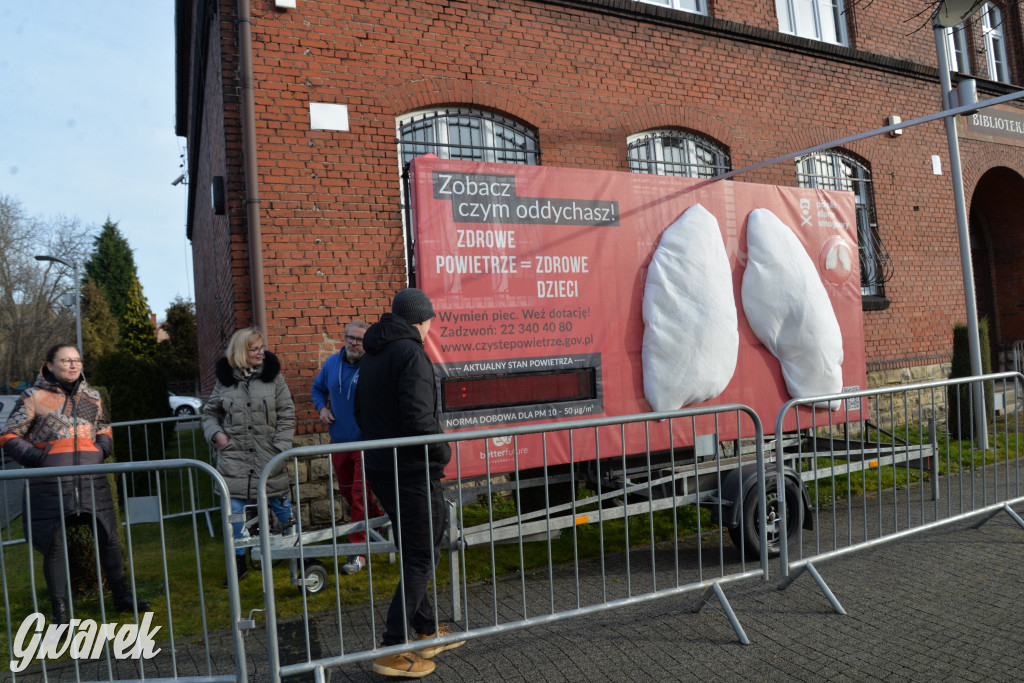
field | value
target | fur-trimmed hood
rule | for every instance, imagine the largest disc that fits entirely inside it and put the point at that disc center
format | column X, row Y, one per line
column 269, row 370
column 258, row 418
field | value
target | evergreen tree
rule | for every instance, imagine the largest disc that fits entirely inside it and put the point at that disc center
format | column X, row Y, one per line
column 100, row 334
column 179, row 353
column 138, row 336
column 112, row 267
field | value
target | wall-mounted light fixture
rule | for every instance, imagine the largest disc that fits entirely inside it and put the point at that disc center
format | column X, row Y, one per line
column 892, row 121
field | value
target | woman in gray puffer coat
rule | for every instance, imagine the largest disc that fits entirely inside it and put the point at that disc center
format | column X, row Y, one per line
column 250, row 418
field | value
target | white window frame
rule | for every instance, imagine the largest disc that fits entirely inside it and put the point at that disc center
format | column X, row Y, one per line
column 995, row 43
column 692, row 6
column 457, row 133
column 835, row 169
column 687, row 156
column 823, row 20
column 956, row 49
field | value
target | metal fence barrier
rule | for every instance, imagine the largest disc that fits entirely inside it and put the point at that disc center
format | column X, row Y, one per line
column 908, row 459
column 595, row 526
column 168, row 561
column 140, row 441
column 617, row 544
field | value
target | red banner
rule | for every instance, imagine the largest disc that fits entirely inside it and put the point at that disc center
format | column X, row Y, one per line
column 537, row 276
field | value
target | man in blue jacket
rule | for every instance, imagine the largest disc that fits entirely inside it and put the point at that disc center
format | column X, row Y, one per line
column 334, row 392
column 397, row 397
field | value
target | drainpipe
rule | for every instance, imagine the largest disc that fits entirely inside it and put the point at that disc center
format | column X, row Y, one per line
column 252, row 191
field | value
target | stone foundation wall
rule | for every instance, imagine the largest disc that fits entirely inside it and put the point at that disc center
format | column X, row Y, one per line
column 909, row 407
column 313, row 480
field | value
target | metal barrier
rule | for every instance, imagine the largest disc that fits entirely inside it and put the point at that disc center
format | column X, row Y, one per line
column 894, row 471
column 162, row 439
column 192, row 622
column 510, row 569
column 141, row 441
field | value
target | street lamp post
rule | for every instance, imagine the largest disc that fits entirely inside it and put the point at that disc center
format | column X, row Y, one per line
column 949, row 14
column 78, row 299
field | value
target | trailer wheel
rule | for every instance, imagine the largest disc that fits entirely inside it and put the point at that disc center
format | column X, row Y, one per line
column 314, row 577
column 749, row 530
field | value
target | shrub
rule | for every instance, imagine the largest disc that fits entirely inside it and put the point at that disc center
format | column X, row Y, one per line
column 960, row 397
column 137, row 391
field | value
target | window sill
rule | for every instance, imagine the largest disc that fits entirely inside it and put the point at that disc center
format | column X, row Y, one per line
column 872, row 302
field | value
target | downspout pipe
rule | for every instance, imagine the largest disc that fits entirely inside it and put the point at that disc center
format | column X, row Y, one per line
column 252, row 190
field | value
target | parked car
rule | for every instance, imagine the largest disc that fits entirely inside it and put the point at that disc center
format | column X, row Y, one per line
column 184, row 405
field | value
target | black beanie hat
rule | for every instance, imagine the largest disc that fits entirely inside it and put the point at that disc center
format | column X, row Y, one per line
column 412, row 305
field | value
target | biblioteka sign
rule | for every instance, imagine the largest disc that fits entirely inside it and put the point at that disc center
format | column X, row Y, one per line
column 995, row 124
column 83, row 639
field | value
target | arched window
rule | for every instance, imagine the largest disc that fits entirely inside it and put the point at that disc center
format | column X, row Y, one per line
column 467, row 134
column 677, row 153
column 837, row 170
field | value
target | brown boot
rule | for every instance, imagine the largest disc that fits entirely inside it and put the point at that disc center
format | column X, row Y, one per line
column 403, row 665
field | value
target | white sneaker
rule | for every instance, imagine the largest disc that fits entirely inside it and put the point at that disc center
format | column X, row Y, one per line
column 354, row 565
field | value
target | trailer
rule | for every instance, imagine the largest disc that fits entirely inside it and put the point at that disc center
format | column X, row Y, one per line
column 540, row 279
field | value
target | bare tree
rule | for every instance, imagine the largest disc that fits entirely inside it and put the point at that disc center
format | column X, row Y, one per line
column 33, row 314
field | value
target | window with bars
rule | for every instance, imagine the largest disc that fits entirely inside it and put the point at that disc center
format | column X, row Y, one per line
column 837, row 170
column 676, row 153
column 995, row 42
column 465, row 134
column 823, row 20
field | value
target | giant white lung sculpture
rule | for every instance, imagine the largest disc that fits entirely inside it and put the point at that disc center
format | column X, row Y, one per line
column 691, row 336
column 789, row 310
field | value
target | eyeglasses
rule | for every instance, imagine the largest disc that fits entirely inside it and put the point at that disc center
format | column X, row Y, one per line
column 71, row 361
column 258, row 350
column 350, row 338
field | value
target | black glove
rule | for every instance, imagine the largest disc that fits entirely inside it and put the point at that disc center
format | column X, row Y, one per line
column 24, row 452
column 104, row 443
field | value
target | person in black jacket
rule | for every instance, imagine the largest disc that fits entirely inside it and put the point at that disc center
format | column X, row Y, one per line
column 396, row 397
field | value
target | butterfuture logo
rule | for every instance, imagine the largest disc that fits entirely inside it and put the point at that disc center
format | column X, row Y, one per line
column 83, row 639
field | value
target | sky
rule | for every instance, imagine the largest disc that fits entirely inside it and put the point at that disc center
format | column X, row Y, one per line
column 87, row 127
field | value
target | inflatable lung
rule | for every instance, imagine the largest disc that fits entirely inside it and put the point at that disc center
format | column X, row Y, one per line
column 789, row 310
column 691, row 336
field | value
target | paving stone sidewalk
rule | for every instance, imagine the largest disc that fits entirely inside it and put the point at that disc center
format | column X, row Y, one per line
column 940, row 605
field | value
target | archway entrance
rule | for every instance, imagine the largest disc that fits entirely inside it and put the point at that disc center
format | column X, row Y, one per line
column 997, row 256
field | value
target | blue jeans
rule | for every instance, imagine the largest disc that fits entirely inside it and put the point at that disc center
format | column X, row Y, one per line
column 279, row 505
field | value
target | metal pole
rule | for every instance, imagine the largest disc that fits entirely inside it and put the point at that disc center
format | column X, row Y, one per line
column 78, row 307
column 78, row 293
column 981, row 427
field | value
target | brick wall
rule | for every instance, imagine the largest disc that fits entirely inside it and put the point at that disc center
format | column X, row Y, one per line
column 584, row 75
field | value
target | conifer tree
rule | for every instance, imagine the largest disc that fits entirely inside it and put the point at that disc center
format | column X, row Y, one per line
column 112, row 267
column 138, row 336
column 179, row 353
column 100, row 333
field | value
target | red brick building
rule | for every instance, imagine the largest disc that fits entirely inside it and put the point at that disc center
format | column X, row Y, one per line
column 300, row 122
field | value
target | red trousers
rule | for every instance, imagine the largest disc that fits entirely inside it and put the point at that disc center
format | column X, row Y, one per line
column 348, row 470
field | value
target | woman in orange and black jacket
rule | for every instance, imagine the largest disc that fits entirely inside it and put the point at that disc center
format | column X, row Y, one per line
column 61, row 422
